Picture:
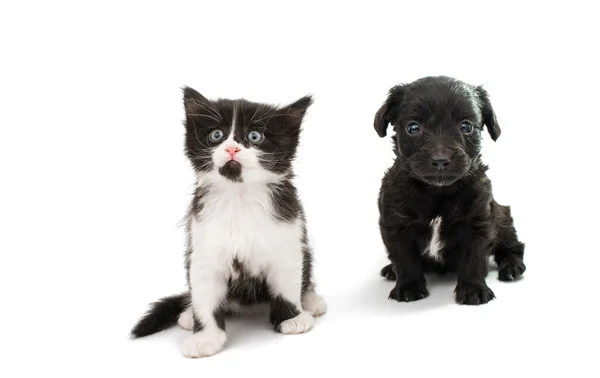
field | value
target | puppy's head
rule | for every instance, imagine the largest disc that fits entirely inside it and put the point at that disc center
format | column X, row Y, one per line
column 438, row 123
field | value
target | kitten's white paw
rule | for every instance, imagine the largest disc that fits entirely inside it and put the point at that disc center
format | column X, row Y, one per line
column 186, row 319
column 314, row 303
column 204, row 343
column 300, row 324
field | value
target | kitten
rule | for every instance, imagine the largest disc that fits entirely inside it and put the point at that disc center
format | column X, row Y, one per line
column 247, row 234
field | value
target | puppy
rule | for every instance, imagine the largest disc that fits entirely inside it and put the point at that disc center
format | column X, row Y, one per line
column 437, row 211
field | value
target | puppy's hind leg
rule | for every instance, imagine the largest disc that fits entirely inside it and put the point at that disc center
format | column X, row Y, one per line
column 508, row 251
column 388, row 273
column 509, row 258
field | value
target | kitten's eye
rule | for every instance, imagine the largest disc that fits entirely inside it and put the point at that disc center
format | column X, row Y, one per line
column 413, row 128
column 466, row 127
column 255, row 137
column 216, row 135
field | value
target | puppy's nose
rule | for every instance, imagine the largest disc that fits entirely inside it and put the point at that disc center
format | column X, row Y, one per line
column 232, row 151
column 440, row 162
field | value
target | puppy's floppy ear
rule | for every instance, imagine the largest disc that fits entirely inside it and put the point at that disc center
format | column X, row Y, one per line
column 489, row 116
column 386, row 113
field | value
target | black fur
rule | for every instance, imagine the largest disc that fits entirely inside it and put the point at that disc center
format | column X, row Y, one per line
column 161, row 315
column 232, row 170
column 281, row 310
column 438, row 173
column 247, row 289
column 286, row 204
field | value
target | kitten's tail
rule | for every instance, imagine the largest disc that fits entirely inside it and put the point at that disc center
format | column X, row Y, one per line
column 162, row 315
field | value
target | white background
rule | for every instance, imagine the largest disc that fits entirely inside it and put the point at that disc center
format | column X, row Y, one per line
column 94, row 182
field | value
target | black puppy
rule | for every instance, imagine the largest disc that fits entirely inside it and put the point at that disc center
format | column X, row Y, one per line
column 437, row 212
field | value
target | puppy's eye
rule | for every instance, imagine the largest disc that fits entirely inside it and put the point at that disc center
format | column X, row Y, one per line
column 255, row 137
column 466, row 127
column 413, row 128
column 216, row 135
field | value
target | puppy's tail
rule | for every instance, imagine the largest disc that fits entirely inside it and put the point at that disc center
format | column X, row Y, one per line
column 162, row 314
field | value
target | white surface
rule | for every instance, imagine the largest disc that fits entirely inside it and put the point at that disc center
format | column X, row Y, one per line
column 94, row 182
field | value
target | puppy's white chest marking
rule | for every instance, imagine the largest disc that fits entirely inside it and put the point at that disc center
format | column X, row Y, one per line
column 435, row 245
column 236, row 222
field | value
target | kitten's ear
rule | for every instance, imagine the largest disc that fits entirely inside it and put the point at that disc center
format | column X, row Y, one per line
column 489, row 116
column 295, row 111
column 193, row 100
column 388, row 110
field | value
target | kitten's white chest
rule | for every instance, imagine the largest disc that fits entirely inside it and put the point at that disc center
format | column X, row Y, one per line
column 237, row 222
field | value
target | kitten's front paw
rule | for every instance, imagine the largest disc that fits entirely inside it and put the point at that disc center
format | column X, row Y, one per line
column 388, row 273
column 186, row 319
column 314, row 303
column 204, row 343
column 473, row 294
column 299, row 324
column 511, row 270
column 410, row 291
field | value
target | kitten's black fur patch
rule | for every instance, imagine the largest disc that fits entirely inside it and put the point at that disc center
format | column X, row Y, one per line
column 197, row 204
column 220, row 317
column 247, row 289
column 232, row 170
column 281, row 310
column 161, row 315
column 307, row 261
column 418, row 188
column 286, row 204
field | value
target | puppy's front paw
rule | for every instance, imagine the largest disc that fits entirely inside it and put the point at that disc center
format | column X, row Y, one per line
column 204, row 343
column 511, row 270
column 473, row 294
column 388, row 272
column 410, row 291
column 299, row 324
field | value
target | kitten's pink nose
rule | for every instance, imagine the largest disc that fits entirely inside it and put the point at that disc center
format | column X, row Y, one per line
column 232, row 151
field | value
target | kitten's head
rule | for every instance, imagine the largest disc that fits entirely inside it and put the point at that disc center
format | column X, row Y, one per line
column 241, row 140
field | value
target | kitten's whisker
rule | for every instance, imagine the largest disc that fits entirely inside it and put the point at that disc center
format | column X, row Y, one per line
column 211, row 109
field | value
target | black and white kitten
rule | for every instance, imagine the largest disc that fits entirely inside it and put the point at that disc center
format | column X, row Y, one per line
column 247, row 231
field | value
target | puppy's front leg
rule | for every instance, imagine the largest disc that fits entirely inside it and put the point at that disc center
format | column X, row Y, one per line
column 403, row 252
column 473, row 266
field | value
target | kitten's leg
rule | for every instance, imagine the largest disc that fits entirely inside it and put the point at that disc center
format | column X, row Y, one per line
column 208, row 289
column 313, row 303
column 285, row 283
column 508, row 251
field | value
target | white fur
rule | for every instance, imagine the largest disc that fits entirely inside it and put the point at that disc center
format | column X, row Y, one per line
column 300, row 324
column 186, row 319
column 314, row 303
column 435, row 245
column 204, row 344
column 237, row 223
